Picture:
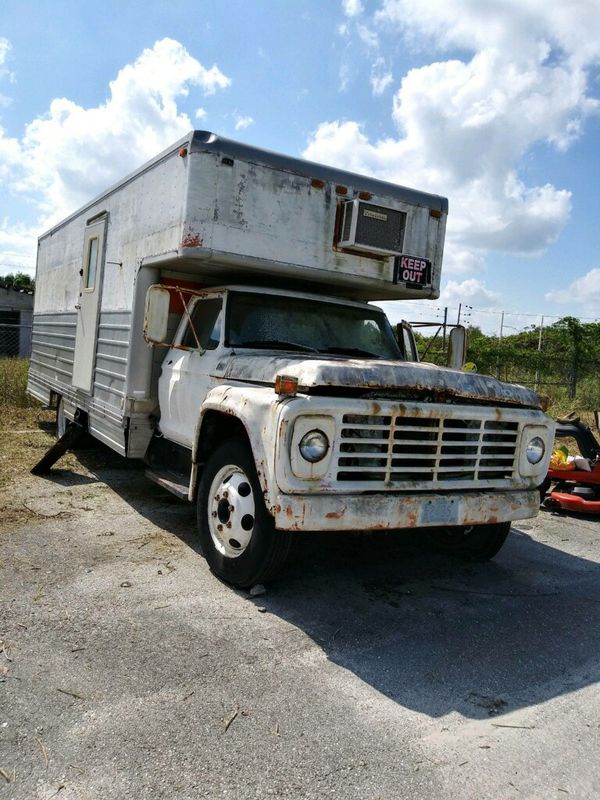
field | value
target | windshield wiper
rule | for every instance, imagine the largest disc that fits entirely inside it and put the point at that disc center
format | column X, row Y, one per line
column 350, row 351
column 277, row 343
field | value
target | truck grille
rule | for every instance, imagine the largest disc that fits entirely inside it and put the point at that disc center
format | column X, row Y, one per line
column 435, row 452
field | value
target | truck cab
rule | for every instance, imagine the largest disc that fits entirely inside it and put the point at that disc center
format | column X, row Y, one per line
column 291, row 411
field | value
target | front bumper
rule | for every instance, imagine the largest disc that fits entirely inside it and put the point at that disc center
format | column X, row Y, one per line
column 389, row 511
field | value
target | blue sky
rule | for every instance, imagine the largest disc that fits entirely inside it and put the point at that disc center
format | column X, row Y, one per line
column 493, row 104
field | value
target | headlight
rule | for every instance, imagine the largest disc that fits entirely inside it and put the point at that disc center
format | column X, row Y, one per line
column 314, row 446
column 535, row 450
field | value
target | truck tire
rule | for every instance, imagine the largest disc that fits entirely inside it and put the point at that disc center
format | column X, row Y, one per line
column 471, row 543
column 237, row 533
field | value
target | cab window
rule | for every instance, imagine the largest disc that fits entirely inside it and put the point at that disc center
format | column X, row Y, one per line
column 206, row 318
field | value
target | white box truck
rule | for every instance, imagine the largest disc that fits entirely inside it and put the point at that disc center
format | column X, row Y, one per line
column 210, row 314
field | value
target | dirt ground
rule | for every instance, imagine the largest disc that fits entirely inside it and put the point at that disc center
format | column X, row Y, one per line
column 371, row 669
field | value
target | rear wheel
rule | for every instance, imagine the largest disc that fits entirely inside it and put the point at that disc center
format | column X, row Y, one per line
column 471, row 542
column 237, row 534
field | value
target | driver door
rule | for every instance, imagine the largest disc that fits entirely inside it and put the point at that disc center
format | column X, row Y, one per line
column 188, row 369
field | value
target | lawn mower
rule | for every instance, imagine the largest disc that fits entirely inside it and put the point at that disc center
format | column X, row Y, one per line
column 575, row 487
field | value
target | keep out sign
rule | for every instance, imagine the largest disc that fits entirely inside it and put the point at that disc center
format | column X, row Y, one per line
column 412, row 270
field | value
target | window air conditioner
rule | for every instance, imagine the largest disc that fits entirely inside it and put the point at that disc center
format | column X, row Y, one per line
column 372, row 228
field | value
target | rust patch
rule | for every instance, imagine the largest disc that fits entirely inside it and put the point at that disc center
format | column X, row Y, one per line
column 289, row 512
column 335, row 514
column 376, row 409
column 192, row 240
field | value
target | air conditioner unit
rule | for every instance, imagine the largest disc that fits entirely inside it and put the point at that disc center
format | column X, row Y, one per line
column 372, row 228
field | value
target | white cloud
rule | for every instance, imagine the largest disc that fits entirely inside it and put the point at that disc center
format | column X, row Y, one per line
column 352, row 8
column 71, row 153
column 18, row 245
column 381, row 77
column 243, row 122
column 511, row 26
column 464, row 127
column 584, row 291
column 5, row 48
column 460, row 261
column 367, row 36
column 200, row 113
column 471, row 292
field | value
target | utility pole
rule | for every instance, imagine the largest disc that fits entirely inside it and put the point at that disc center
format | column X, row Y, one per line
column 458, row 318
column 500, row 345
column 444, row 328
column 539, row 347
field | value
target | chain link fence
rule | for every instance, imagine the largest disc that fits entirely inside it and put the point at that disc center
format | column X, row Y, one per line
column 563, row 363
column 15, row 340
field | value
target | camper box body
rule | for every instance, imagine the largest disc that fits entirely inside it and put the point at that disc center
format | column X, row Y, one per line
column 207, row 212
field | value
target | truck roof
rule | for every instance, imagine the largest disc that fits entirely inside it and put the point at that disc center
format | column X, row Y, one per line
column 207, row 141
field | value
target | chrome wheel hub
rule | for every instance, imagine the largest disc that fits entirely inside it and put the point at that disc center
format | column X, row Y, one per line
column 231, row 511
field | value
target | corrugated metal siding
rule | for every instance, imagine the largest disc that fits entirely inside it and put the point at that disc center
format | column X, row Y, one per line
column 112, row 349
column 109, row 387
column 52, row 350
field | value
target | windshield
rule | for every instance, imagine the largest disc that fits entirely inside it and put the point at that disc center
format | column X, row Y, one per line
column 305, row 325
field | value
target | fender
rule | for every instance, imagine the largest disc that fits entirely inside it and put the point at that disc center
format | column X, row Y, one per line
column 257, row 408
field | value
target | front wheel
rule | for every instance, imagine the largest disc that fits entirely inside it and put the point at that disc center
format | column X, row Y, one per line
column 237, row 534
column 472, row 542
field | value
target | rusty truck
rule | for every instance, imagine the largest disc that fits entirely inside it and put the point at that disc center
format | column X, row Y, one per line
column 213, row 314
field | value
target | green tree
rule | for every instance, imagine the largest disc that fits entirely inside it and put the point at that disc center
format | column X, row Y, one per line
column 19, row 281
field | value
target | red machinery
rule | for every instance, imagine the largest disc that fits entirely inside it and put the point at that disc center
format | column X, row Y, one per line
column 576, row 490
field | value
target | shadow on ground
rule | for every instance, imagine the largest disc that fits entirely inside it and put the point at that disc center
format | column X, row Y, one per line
column 433, row 634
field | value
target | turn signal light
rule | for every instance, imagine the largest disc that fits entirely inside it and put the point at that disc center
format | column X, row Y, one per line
column 286, row 385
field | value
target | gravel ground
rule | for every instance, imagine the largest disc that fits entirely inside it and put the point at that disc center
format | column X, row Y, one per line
column 370, row 669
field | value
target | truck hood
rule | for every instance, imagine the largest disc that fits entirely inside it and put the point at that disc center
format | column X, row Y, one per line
column 391, row 379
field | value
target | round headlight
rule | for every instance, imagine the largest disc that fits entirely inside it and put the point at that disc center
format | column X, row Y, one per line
column 535, row 450
column 314, row 446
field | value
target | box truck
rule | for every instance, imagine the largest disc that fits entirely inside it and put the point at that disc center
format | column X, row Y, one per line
column 212, row 314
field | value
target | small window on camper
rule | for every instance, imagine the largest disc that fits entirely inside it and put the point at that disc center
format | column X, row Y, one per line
column 206, row 318
column 92, row 264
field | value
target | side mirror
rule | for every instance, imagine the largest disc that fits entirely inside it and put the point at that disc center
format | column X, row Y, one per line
column 457, row 347
column 156, row 314
column 406, row 341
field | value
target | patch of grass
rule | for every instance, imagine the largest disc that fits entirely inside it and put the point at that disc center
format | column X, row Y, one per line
column 26, row 429
column 13, row 383
column 25, row 435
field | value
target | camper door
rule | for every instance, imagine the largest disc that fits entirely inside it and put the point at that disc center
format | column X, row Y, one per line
column 88, row 306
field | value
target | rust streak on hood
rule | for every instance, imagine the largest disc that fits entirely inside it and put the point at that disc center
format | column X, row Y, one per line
column 409, row 379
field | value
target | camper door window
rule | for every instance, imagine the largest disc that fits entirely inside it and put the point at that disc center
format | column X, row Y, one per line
column 91, row 265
